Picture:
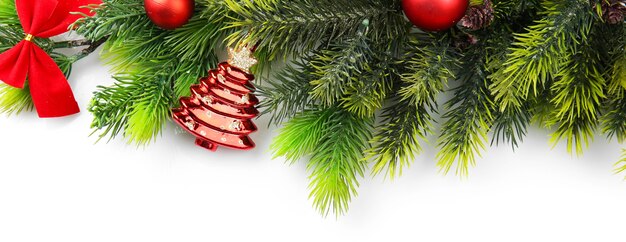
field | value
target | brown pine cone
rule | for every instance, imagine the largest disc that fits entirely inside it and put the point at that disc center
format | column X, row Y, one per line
column 613, row 11
column 479, row 16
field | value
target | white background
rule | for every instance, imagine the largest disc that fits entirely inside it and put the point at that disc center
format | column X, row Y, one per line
column 56, row 184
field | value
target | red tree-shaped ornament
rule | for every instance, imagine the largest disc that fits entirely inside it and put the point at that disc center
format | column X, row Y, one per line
column 221, row 107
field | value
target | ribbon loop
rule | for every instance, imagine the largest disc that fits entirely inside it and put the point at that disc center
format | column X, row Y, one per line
column 51, row 93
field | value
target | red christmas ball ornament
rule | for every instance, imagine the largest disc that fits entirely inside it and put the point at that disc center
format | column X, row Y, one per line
column 435, row 15
column 169, row 14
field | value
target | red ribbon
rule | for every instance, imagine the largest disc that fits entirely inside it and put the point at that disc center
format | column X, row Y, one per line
column 51, row 93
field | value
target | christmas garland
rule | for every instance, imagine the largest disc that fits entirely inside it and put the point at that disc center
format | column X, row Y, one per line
column 362, row 84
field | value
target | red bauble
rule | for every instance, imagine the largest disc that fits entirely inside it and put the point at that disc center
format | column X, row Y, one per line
column 435, row 15
column 169, row 14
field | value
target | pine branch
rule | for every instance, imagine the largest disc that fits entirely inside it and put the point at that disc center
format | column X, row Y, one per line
column 507, row 9
column 537, row 55
column 302, row 134
column 370, row 89
column 15, row 100
column 287, row 95
column 614, row 107
column 397, row 140
column 117, row 19
column 336, row 140
column 292, row 28
column 133, row 108
column 337, row 162
column 468, row 119
column 511, row 125
column 336, row 68
column 578, row 91
column 154, row 67
column 616, row 39
column 614, row 120
column 430, row 63
column 8, row 14
column 618, row 76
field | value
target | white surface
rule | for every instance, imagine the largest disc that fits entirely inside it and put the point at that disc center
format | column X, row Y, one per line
column 57, row 185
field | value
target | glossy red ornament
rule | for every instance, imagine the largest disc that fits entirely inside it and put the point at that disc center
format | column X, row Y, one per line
column 169, row 14
column 220, row 110
column 435, row 15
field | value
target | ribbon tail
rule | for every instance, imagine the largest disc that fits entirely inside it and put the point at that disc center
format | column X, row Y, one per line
column 14, row 64
column 52, row 94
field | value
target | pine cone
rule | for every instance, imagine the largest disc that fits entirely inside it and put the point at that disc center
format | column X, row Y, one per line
column 479, row 16
column 613, row 11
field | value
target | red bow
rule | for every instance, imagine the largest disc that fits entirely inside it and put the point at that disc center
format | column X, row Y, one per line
column 49, row 89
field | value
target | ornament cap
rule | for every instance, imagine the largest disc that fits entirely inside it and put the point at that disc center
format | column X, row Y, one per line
column 242, row 58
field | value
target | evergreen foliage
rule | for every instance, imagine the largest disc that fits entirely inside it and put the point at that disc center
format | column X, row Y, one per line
column 153, row 67
column 364, row 86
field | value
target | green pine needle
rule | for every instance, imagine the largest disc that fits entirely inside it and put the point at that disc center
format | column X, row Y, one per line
column 336, row 140
column 14, row 100
column 468, row 120
column 578, row 90
column 8, row 14
column 536, row 56
column 431, row 64
column 288, row 93
column 397, row 140
column 336, row 68
column 153, row 67
column 301, row 135
column 286, row 28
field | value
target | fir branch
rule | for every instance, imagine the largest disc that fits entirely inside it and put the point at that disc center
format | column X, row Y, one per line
column 397, row 140
column 196, row 41
column 136, row 109
column 154, row 67
column 537, row 55
column 618, row 76
column 366, row 94
column 616, row 39
column 336, row 68
column 614, row 107
column 511, row 125
column 507, row 9
column 301, row 135
column 578, row 91
column 8, row 13
column 337, row 162
column 468, row 119
column 614, row 120
column 117, row 19
column 14, row 101
column 288, row 94
column 431, row 64
column 292, row 28
column 336, row 139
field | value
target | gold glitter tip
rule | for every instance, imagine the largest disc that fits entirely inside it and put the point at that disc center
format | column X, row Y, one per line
column 242, row 59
